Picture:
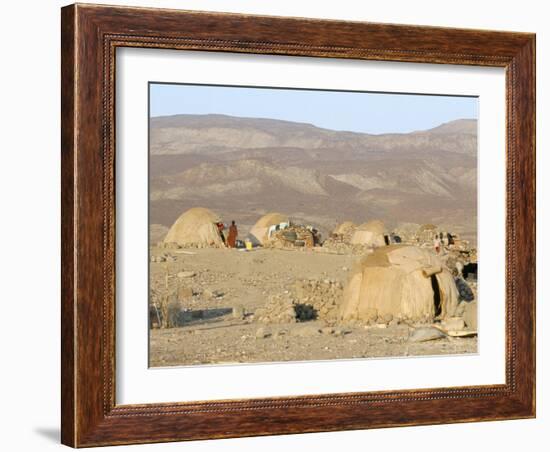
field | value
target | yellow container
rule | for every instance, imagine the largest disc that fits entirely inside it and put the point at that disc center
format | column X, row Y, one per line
column 248, row 244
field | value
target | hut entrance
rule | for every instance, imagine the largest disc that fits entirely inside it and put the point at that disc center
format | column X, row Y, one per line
column 470, row 271
column 437, row 296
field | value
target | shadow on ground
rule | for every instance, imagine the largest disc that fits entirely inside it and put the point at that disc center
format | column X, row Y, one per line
column 202, row 316
column 50, row 433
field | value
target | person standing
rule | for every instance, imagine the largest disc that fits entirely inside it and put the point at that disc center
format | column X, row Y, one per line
column 437, row 243
column 232, row 237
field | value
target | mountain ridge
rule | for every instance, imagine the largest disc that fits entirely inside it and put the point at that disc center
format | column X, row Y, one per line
column 184, row 134
column 184, row 119
column 244, row 167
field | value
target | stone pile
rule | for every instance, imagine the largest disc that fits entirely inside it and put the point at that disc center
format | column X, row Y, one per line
column 323, row 295
column 308, row 300
column 336, row 244
column 168, row 245
column 292, row 237
column 164, row 257
column 278, row 309
column 454, row 256
column 340, row 242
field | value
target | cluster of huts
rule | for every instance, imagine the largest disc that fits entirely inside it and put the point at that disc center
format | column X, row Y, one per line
column 199, row 227
column 398, row 280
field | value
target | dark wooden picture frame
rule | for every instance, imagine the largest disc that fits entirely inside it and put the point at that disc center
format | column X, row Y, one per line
column 90, row 36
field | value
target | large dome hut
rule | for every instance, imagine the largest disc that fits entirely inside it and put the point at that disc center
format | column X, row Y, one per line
column 196, row 227
column 405, row 281
column 260, row 231
column 373, row 233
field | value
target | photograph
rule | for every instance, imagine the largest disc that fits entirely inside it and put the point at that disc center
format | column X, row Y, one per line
column 268, row 221
column 294, row 224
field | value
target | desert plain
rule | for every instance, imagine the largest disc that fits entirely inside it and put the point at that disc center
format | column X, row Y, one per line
column 219, row 305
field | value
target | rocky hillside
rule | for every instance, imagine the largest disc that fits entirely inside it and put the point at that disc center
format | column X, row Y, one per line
column 187, row 134
column 244, row 167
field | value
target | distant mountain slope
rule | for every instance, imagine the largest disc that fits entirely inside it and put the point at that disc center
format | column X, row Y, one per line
column 182, row 134
column 243, row 167
column 460, row 126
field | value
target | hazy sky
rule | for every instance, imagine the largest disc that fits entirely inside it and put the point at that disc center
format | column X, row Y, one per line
column 337, row 110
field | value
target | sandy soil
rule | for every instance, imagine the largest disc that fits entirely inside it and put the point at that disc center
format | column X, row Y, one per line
column 228, row 280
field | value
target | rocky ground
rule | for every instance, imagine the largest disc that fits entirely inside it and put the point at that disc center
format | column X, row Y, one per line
column 230, row 306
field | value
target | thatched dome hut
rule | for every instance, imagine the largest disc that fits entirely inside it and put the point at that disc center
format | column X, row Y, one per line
column 373, row 233
column 196, row 226
column 260, row 230
column 405, row 281
column 426, row 232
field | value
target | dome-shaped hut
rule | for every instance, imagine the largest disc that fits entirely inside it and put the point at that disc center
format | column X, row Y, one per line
column 373, row 233
column 426, row 232
column 196, row 226
column 260, row 230
column 405, row 281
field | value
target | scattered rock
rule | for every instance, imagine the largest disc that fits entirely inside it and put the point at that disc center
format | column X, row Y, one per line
column 281, row 333
column 261, row 333
column 453, row 324
column 463, row 333
column 327, row 330
column 238, row 312
column 169, row 245
column 307, row 331
column 186, row 274
column 208, row 294
column 425, row 334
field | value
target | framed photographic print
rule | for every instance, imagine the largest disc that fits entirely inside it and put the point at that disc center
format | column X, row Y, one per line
column 281, row 225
